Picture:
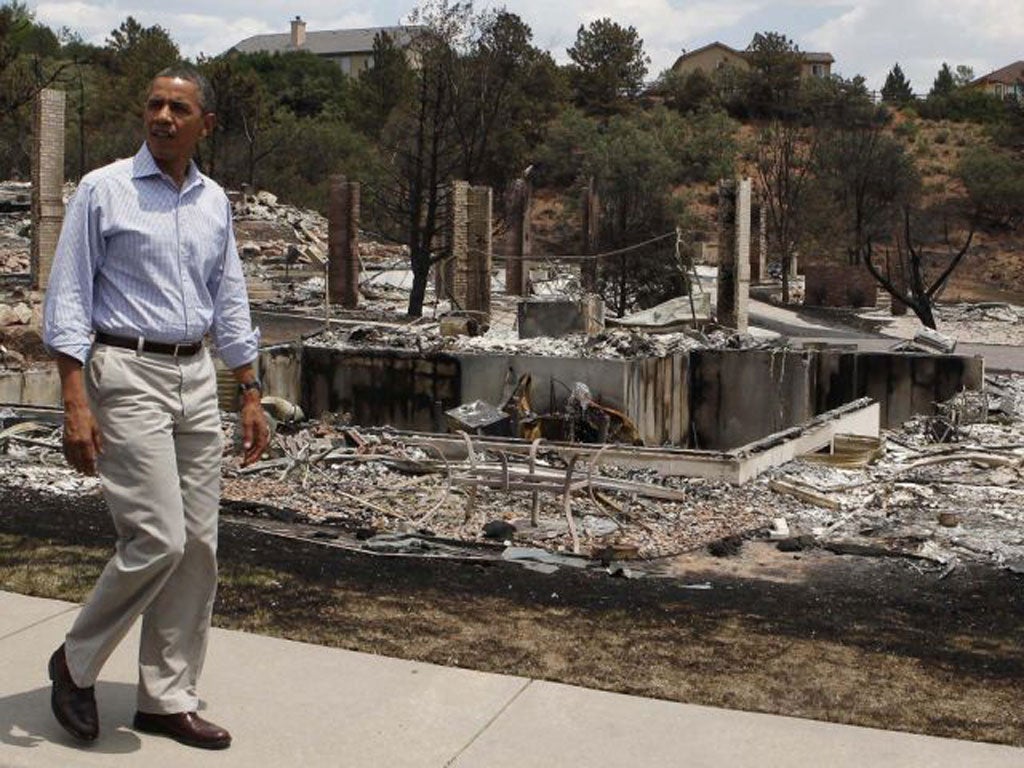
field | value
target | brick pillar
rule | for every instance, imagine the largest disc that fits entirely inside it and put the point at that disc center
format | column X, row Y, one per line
column 591, row 204
column 451, row 277
column 743, row 204
column 47, row 182
column 520, row 197
column 343, row 243
column 733, row 253
column 479, row 252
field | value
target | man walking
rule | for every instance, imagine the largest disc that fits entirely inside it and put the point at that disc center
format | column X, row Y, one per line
column 145, row 267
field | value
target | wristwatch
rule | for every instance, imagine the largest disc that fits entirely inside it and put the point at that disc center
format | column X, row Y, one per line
column 246, row 386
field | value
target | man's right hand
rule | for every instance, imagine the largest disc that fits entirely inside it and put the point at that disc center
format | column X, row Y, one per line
column 82, row 439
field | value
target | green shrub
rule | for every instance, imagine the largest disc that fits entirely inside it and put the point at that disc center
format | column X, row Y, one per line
column 995, row 185
column 907, row 130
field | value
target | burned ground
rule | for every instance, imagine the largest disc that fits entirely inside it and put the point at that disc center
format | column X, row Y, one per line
column 870, row 641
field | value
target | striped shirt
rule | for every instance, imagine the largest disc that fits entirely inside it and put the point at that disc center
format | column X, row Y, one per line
column 139, row 257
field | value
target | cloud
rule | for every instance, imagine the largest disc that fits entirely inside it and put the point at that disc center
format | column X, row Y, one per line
column 866, row 36
column 921, row 35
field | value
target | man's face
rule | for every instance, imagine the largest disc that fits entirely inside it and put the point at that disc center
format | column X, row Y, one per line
column 174, row 120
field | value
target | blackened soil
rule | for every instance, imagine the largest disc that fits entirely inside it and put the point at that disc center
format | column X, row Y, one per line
column 754, row 643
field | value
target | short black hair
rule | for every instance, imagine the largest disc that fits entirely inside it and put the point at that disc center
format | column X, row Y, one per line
column 207, row 99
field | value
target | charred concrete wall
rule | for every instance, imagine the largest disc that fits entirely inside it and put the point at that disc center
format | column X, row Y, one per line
column 705, row 399
column 281, row 371
column 35, row 386
column 904, row 384
column 486, row 377
column 652, row 392
column 658, row 398
column 381, row 387
column 739, row 396
column 558, row 317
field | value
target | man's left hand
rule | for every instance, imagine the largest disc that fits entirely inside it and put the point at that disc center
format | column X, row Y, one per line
column 255, row 430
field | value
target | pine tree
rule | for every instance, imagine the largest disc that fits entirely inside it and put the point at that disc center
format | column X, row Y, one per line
column 897, row 88
column 944, row 83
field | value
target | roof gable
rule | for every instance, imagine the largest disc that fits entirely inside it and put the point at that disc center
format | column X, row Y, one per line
column 808, row 57
column 1008, row 75
column 704, row 48
column 330, row 42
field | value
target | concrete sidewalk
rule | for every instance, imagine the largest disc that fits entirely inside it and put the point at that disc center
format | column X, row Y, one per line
column 291, row 704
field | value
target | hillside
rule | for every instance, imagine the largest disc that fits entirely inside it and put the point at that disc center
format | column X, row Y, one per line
column 992, row 270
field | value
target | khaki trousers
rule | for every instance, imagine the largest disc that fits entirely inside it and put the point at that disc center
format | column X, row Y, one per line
column 160, row 473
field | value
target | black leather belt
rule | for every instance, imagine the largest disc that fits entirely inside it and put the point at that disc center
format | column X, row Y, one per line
column 160, row 347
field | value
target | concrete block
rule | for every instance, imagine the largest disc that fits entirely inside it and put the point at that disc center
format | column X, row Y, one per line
column 479, row 418
column 455, row 325
column 560, row 317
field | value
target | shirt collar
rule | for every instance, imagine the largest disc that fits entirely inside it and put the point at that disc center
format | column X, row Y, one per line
column 144, row 166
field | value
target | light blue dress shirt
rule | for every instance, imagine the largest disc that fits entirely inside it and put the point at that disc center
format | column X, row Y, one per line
column 139, row 257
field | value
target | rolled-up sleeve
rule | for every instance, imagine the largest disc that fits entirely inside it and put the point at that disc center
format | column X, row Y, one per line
column 67, row 310
column 237, row 342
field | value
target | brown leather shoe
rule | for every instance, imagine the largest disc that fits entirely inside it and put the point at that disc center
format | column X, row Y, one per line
column 185, row 727
column 74, row 707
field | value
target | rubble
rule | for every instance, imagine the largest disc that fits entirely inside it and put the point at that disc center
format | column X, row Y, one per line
column 15, row 196
column 982, row 322
column 426, row 336
column 934, row 504
column 940, row 490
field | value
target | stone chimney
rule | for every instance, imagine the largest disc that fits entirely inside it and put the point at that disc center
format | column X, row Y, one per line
column 298, row 32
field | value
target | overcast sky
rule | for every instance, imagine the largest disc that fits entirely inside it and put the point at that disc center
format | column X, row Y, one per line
column 866, row 37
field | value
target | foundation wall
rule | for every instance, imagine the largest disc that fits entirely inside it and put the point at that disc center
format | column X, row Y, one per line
column 281, row 372
column 380, row 387
column 738, row 396
column 36, row 386
column 484, row 378
column 658, row 398
column 904, row 385
column 708, row 399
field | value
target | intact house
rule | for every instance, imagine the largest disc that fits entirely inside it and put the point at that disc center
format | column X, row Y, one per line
column 714, row 56
column 350, row 49
column 1006, row 83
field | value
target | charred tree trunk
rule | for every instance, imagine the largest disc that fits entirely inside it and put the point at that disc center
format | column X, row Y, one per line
column 917, row 296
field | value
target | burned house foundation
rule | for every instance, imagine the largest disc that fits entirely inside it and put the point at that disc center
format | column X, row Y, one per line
column 703, row 399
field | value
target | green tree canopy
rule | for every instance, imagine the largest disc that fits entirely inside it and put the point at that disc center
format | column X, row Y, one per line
column 944, row 83
column 382, row 86
column 608, row 66
column 897, row 89
column 301, row 82
column 995, row 185
column 773, row 83
column 28, row 63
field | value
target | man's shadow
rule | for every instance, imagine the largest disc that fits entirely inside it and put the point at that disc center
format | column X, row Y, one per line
column 26, row 720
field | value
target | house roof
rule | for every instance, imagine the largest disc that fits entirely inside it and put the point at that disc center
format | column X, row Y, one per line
column 817, row 58
column 709, row 46
column 326, row 42
column 805, row 56
column 1008, row 75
